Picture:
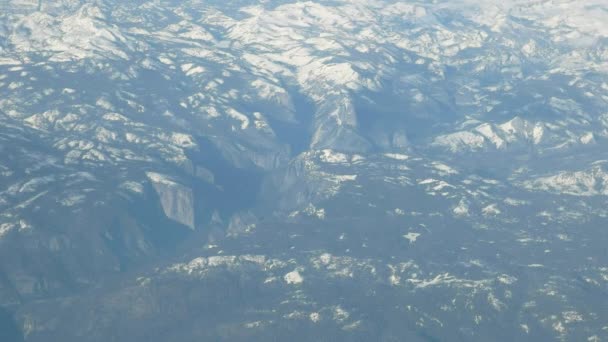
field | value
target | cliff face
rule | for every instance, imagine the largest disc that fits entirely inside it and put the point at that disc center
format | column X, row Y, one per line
column 177, row 200
column 321, row 170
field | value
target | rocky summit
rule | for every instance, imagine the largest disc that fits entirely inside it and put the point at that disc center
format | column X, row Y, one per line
column 328, row 170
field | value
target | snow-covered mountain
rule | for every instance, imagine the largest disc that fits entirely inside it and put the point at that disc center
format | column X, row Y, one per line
column 320, row 170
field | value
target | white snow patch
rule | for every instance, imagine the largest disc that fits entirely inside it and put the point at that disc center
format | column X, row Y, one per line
column 491, row 210
column 293, row 278
column 515, row 202
column 572, row 317
column 5, row 228
column 587, row 138
column 412, row 237
column 396, row 156
column 72, row 200
column 462, row 209
column 591, row 182
column 239, row 117
column 506, row 279
column 133, row 187
column 333, row 157
column 444, row 169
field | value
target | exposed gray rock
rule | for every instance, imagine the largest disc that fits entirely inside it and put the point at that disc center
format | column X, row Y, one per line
column 176, row 199
column 242, row 224
column 335, row 126
column 205, row 174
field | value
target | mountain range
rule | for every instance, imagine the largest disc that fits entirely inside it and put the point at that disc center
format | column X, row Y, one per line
column 325, row 170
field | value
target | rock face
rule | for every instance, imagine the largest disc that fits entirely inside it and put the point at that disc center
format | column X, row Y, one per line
column 590, row 182
column 176, row 199
column 321, row 170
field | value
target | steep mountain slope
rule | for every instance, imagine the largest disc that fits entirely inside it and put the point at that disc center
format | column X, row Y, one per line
column 353, row 170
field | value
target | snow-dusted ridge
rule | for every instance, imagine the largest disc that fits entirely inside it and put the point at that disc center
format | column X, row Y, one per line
column 589, row 182
column 328, row 169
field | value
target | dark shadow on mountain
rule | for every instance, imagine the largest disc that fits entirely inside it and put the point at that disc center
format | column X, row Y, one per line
column 238, row 187
column 9, row 330
column 296, row 134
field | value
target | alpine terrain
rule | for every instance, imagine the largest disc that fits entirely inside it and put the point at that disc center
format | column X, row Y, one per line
column 282, row 170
